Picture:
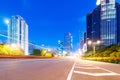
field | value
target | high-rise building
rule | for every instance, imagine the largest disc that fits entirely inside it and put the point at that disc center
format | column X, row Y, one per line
column 118, row 22
column 103, row 23
column 108, row 22
column 68, row 42
column 18, row 33
column 93, row 25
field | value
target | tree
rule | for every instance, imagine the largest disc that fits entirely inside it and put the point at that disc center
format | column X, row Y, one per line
column 9, row 50
column 36, row 52
column 43, row 52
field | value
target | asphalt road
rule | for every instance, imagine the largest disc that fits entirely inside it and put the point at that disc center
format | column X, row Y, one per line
column 57, row 69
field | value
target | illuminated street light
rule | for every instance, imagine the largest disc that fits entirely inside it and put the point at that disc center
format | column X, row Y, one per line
column 94, row 44
column 89, row 42
column 7, row 21
column 59, row 41
column 98, row 42
column 15, row 46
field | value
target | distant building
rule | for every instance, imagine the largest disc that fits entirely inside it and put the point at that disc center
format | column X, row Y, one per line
column 60, row 46
column 85, row 37
column 31, row 48
column 68, row 42
column 81, row 43
column 18, row 33
column 103, row 23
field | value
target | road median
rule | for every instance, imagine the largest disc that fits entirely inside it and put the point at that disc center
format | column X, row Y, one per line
column 24, row 57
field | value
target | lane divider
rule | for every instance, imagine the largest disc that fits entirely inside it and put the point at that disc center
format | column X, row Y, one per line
column 97, row 74
column 71, row 72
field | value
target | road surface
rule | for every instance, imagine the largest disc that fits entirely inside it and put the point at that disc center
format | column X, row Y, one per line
column 57, row 69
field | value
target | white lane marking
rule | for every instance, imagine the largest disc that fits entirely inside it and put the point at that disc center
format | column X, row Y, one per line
column 87, row 67
column 106, row 70
column 97, row 74
column 83, row 65
column 71, row 72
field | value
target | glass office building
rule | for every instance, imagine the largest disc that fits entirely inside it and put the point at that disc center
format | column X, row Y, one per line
column 18, row 33
column 103, row 23
column 93, row 26
column 108, row 22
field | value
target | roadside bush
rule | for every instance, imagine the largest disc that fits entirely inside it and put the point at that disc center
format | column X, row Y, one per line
column 36, row 52
column 118, row 54
column 113, row 54
column 49, row 55
column 8, row 50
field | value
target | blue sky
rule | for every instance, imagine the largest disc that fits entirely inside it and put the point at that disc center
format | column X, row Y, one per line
column 48, row 20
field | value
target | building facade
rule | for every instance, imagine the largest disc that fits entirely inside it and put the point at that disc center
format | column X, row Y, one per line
column 68, row 42
column 60, row 46
column 118, row 22
column 108, row 22
column 103, row 23
column 93, row 26
column 18, row 33
column 85, row 37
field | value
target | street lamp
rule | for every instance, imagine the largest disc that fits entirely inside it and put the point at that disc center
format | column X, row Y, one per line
column 89, row 42
column 59, row 41
column 7, row 22
column 98, row 41
column 94, row 44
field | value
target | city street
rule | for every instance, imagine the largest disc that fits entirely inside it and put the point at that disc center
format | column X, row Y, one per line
column 57, row 69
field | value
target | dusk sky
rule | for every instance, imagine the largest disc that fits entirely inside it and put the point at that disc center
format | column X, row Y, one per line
column 48, row 20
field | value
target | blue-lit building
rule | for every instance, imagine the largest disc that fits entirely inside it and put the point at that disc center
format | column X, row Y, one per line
column 93, row 25
column 68, row 42
column 108, row 22
column 103, row 23
column 118, row 22
column 60, row 46
column 18, row 33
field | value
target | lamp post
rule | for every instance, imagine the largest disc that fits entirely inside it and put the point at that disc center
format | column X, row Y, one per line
column 94, row 44
column 7, row 22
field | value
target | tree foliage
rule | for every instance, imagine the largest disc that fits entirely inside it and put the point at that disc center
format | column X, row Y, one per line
column 36, row 52
column 8, row 50
column 42, row 52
